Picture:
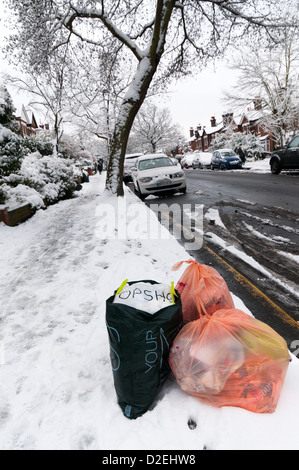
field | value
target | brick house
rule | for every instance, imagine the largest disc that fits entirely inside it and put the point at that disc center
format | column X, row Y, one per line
column 247, row 122
column 251, row 123
column 201, row 138
column 29, row 126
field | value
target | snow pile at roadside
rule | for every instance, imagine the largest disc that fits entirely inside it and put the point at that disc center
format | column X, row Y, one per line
column 257, row 166
column 56, row 388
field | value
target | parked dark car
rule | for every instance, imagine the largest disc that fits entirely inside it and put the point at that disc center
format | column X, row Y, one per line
column 286, row 158
column 225, row 159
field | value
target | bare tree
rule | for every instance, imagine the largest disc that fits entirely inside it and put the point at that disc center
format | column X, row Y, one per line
column 138, row 33
column 270, row 79
column 48, row 89
column 153, row 129
column 95, row 90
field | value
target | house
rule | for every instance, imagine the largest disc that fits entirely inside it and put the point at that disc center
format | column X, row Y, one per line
column 249, row 122
column 29, row 126
column 201, row 138
column 252, row 123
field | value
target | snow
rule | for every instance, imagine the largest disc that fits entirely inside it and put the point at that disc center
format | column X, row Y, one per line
column 251, row 261
column 291, row 256
column 212, row 214
column 5, row 133
column 49, row 177
column 56, row 272
column 20, row 196
column 257, row 166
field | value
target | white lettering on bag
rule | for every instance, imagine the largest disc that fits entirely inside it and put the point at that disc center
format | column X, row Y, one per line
column 151, row 356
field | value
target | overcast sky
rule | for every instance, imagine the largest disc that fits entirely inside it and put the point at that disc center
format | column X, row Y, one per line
column 195, row 100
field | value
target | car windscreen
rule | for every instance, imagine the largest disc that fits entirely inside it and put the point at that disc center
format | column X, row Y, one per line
column 155, row 163
column 228, row 154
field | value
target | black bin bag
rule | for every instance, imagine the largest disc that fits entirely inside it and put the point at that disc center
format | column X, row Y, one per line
column 139, row 349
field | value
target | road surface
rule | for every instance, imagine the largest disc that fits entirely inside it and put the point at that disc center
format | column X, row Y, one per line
column 251, row 236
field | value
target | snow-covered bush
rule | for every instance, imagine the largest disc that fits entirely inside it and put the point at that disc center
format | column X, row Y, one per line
column 250, row 144
column 3, row 195
column 12, row 151
column 40, row 143
column 40, row 180
column 29, row 173
column 7, row 109
column 220, row 141
column 21, row 195
column 52, row 177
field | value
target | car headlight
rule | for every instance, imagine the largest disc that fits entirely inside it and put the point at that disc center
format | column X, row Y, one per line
column 179, row 174
column 145, row 179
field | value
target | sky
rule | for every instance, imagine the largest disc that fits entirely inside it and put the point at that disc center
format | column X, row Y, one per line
column 191, row 101
column 194, row 100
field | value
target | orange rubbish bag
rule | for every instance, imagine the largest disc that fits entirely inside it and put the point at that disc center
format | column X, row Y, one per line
column 203, row 290
column 231, row 359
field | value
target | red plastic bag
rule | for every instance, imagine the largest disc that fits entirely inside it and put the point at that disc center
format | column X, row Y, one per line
column 231, row 359
column 203, row 290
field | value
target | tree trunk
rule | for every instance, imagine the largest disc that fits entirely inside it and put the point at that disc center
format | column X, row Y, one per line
column 128, row 111
column 135, row 97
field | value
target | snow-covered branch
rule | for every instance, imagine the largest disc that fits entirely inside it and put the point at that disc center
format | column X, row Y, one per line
column 92, row 13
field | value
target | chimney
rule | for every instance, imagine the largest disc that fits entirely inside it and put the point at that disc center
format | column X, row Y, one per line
column 213, row 121
column 191, row 132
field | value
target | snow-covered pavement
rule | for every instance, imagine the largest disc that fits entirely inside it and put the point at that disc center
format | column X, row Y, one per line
column 57, row 270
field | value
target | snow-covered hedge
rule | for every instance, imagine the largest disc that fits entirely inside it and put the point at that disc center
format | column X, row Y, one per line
column 20, row 195
column 40, row 180
column 38, row 143
column 12, row 151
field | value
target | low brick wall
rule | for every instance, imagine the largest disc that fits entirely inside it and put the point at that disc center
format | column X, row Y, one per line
column 16, row 216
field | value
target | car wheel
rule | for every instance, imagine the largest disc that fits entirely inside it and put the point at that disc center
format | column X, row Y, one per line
column 212, row 168
column 275, row 167
column 140, row 195
column 222, row 167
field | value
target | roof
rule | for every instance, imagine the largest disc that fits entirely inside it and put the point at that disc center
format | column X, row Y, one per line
column 24, row 115
column 133, row 155
column 213, row 129
column 254, row 115
column 152, row 155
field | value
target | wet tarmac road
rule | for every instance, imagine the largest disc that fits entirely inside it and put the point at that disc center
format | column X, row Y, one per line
column 250, row 235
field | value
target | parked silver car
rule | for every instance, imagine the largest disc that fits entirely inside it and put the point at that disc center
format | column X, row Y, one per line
column 156, row 173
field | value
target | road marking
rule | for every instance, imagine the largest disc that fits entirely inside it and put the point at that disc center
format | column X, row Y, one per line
column 255, row 291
